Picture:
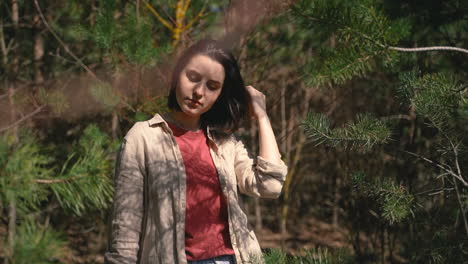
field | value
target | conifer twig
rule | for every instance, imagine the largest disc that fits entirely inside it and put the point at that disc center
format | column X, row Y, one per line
column 195, row 19
column 441, row 166
column 462, row 209
column 158, row 16
column 47, row 181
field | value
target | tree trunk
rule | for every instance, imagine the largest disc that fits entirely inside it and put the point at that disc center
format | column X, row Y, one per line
column 3, row 46
column 15, row 20
column 115, row 125
column 11, row 229
column 285, row 204
column 336, row 201
column 38, row 52
column 257, row 206
column 11, row 91
column 12, row 203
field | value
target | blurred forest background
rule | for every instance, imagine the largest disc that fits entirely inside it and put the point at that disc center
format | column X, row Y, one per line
column 371, row 122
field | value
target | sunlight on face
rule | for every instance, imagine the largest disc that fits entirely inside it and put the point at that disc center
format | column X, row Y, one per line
column 200, row 84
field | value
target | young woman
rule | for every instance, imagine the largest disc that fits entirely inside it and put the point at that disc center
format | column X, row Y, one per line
column 178, row 174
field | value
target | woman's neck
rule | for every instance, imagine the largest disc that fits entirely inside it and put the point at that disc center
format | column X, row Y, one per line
column 184, row 121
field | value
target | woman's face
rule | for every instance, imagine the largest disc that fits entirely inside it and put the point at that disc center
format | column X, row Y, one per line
column 200, row 84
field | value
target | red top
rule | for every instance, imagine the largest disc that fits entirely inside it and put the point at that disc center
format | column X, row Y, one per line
column 206, row 218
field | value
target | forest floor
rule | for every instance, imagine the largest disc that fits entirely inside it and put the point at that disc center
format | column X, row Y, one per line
column 310, row 233
column 89, row 248
column 88, row 243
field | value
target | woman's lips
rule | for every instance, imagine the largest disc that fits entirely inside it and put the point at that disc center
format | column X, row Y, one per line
column 193, row 101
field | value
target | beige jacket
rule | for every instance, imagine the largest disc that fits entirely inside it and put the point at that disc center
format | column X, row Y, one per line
column 148, row 213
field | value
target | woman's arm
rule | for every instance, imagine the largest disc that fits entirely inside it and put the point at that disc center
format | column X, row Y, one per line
column 268, row 146
column 266, row 176
column 127, row 209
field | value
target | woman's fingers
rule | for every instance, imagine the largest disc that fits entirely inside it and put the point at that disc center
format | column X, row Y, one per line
column 258, row 105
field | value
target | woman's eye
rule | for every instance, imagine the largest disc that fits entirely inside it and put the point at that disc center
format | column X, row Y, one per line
column 193, row 76
column 213, row 86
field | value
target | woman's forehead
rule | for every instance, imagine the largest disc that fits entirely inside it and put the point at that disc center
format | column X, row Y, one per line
column 206, row 66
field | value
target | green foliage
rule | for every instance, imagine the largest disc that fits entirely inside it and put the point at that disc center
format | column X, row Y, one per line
column 396, row 204
column 439, row 247
column 105, row 30
column 36, row 244
column 275, row 256
column 140, row 116
column 310, row 256
column 358, row 33
column 56, row 100
column 362, row 135
column 137, row 42
column 83, row 183
column 434, row 96
column 155, row 105
column 86, row 184
column 21, row 164
column 130, row 36
column 106, row 94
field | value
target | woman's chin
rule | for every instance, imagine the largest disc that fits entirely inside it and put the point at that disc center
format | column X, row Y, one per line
column 192, row 112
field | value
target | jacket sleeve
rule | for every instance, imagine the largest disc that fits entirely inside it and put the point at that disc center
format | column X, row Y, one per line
column 127, row 208
column 260, row 177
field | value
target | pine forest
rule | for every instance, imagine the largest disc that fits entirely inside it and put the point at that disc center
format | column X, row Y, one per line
column 368, row 100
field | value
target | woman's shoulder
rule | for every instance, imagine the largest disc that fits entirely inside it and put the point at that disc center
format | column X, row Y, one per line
column 136, row 130
column 142, row 129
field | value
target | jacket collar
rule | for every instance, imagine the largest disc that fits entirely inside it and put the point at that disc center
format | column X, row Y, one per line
column 158, row 119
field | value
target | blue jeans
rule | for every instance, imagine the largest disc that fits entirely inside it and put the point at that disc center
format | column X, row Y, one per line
column 226, row 259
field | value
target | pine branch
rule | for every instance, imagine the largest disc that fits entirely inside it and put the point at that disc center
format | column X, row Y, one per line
column 346, row 27
column 195, row 19
column 49, row 181
column 37, row 244
column 84, row 184
column 158, row 16
column 21, row 162
column 365, row 133
column 434, row 48
column 394, row 200
column 440, row 166
column 462, row 208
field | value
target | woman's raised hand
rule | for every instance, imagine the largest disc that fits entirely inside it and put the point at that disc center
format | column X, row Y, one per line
column 258, row 103
column 268, row 146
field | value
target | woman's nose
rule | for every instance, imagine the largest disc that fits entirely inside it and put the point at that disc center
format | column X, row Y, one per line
column 199, row 89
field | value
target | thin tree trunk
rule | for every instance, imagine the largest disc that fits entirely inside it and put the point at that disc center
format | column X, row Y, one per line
column 115, row 125
column 137, row 10
column 336, row 200
column 15, row 20
column 38, row 52
column 11, row 229
column 258, row 215
column 285, row 205
column 12, row 203
column 462, row 210
column 382, row 244
column 336, row 193
column 292, row 155
column 14, row 71
column 3, row 46
column 257, row 205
